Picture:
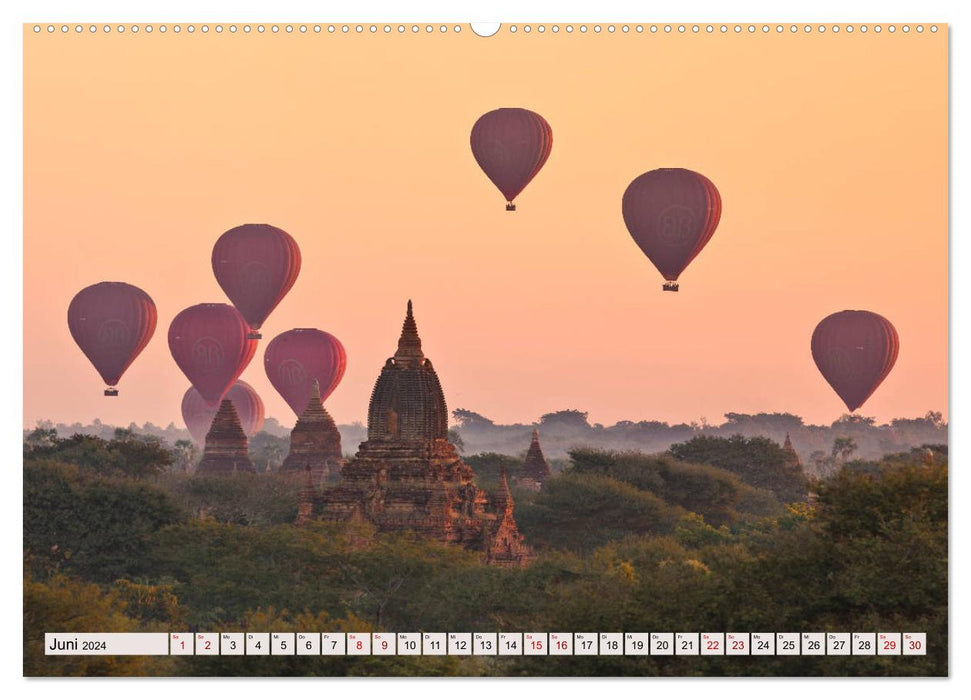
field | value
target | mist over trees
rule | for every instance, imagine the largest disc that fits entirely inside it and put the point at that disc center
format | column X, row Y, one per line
column 561, row 431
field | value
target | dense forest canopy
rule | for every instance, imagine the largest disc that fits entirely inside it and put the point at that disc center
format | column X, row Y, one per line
column 711, row 533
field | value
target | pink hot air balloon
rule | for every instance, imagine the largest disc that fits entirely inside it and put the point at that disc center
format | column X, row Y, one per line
column 511, row 144
column 211, row 346
column 293, row 360
column 112, row 323
column 855, row 351
column 256, row 265
column 198, row 414
column 671, row 214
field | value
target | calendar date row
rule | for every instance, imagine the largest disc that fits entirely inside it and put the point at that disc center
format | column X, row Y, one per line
column 490, row 644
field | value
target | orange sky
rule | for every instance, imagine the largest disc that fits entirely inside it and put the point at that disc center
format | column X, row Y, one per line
column 830, row 153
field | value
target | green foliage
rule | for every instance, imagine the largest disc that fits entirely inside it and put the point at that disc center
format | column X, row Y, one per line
column 757, row 461
column 580, row 511
column 96, row 527
column 128, row 455
column 565, row 420
column 267, row 451
column 244, row 499
column 625, row 542
column 58, row 603
column 487, row 467
column 711, row 492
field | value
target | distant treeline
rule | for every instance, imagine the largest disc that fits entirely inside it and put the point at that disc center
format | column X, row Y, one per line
column 562, row 431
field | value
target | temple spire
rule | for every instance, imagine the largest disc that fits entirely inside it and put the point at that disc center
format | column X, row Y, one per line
column 793, row 455
column 409, row 344
column 505, row 496
column 536, row 468
column 315, row 390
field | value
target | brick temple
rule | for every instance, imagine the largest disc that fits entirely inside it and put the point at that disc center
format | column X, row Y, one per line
column 226, row 449
column 408, row 476
column 793, row 457
column 536, row 470
column 315, row 442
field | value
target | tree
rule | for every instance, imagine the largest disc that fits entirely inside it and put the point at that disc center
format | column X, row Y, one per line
column 185, row 454
column 456, row 439
column 93, row 526
column 844, row 447
column 568, row 419
column 471, row 420
column 268, row 451
column 758, row 461
column 63, row 604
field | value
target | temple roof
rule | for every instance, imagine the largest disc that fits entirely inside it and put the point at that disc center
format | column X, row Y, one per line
column 409, row 344
column 226, row 445
column 407, row 403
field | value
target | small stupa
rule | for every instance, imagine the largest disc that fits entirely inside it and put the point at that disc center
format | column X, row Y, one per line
column 504, row 545
column 793, row 456
column 226, row 447
column 315, row 442
column 536, row 470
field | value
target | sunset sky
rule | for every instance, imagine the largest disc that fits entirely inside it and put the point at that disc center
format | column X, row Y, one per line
column 829, row 151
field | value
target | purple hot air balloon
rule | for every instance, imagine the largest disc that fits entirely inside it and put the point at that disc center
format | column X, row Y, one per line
column 198, row 414
column 671, row 214
column 855, row 351
column 211, row 346
column 511, row 144
column 112, row 323
column 293, row 360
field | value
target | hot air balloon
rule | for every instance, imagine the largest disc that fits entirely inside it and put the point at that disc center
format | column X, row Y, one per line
column 112, row 323
column 256, row 264
column 511, row 145
column 293, row 360
column 211, row 346
column 671, row 214
column 198, row 414
column 855, row 351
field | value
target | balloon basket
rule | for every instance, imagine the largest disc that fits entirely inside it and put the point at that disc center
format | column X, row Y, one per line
column 253, row 335
column 111, row 392
column 510, row 207
column 670, row 287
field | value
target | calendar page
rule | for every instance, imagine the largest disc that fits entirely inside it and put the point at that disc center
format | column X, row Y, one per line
column 521, row 349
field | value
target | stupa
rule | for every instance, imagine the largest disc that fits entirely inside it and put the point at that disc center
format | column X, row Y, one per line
column 793, row 456
column 226, row 447
column 408, row 476
column 536, row 470
column 315, row 442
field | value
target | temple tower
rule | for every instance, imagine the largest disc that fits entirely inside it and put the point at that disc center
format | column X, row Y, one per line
column 793, row 457
column 315, row 442
column 536, row 470
column 408, row 476
column 226, row 449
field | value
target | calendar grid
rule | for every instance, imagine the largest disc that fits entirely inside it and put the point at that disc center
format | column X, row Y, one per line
column 488, row 644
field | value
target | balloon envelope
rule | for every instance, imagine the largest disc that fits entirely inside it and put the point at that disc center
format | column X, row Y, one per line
column 511, row 145
column 112, row 323
column 855, row 351
column 198, row 414
column 256, row 265
column 671, row 213
column 210, row 345
column 293, row 360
